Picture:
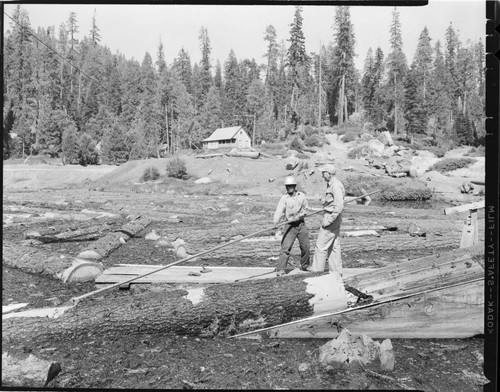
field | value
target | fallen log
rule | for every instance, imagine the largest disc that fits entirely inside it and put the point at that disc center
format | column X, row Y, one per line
column 40, row 261
column 222, row 309
column 244, row 154
column 107, row 244
column 85, row 234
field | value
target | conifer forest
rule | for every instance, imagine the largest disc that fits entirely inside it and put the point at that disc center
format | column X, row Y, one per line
column 63, row 97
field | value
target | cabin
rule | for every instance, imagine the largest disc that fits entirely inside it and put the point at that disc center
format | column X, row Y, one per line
column 228, row 137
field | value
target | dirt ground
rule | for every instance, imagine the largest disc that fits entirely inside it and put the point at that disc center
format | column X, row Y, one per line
column 203, row 219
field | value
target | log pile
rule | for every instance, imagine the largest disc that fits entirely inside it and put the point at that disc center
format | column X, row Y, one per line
column 107, row 244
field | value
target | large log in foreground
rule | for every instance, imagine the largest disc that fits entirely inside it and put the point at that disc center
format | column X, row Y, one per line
column 223, row 309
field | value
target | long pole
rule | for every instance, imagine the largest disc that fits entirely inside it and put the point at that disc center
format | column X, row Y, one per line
column 75, row 300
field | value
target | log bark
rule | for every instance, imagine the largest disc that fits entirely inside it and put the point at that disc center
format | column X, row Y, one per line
column 107, row 244
column 223, row 309
column 39, row 261
column 35, row 260
column 84, row 234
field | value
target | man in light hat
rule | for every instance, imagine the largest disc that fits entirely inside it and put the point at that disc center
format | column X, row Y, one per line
column 292, row 206
column 328, row 242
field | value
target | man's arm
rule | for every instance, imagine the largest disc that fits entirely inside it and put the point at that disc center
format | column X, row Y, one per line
column 336, row 206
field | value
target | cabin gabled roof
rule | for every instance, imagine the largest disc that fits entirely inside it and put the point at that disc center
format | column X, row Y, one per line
column 223, row 134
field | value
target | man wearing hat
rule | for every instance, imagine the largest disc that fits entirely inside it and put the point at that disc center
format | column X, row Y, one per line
column 292, row 206
column 328, row 242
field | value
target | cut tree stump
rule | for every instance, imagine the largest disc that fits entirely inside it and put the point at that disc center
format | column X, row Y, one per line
column 222, row 309
column 39, row 261
column 107, row 244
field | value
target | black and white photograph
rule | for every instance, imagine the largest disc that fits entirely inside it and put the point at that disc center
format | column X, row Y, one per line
column 279, row 195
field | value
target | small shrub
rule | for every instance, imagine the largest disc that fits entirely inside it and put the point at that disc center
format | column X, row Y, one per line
column 302, row 155
column 437, row 151
column 150, row 174
column 356, row 152
column 406, row 192
column 449, row 164
column 313, row 141
column 176, row 168
column 476, row 152
column 349, row 137
column 297, row 144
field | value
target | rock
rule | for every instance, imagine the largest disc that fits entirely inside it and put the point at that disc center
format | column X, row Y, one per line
column 152, row 236
column 27, row 372
column 235, row 222
column 203, row 180
column 376, row 145
column 164, row 242
column 304, row 367
column 347, row 350
column 386, row 355
column 385, row 138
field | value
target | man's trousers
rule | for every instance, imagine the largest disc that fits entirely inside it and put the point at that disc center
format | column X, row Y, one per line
column 291, row 232
column 328, row 247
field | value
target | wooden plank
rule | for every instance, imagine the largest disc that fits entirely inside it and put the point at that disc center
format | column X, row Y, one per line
column 180, row 274
column 457, row 312
column 470, row 235
column 466, row 207
column 420, row 274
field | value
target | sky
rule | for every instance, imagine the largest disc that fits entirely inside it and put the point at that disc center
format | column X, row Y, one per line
column 134, row 30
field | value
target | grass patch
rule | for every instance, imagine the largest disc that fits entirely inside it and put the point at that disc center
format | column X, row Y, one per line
column 449, row 164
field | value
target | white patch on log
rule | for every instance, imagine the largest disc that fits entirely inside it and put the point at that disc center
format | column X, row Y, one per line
column 82, row 271
column 42, row 312
column 329, row 293
column 195, row 295
column 12, row 307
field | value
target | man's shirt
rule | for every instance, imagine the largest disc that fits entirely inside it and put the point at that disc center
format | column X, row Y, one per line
column 333, row 202
column 291, row 206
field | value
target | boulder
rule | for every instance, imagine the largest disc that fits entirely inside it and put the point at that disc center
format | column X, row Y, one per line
column 356, row 351
column 385, row 138
column 203, row 180
column 24, row 372
column 376, row 145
